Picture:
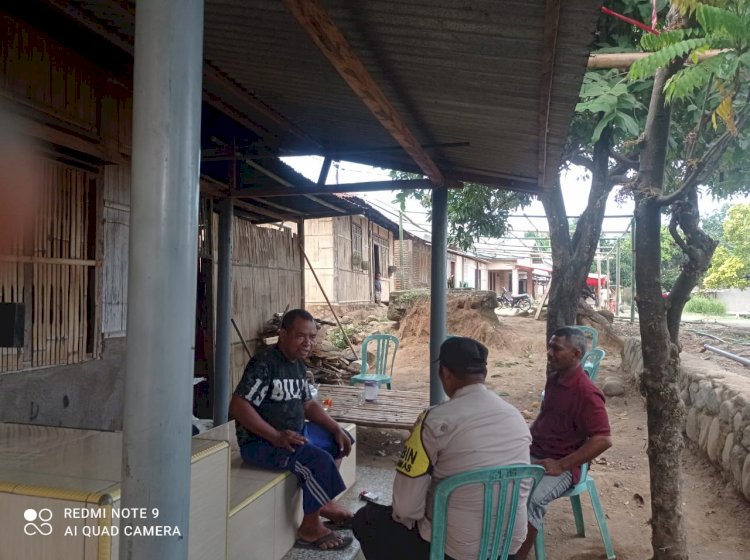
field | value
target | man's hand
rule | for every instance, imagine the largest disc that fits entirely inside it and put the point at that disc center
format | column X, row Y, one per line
column 342, row 440
column 552, row 467
column 288, row 439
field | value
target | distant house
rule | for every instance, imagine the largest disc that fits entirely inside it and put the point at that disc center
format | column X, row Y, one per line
column 463, row 269
column 346, row 252
column 467, row 270
column 414, row 272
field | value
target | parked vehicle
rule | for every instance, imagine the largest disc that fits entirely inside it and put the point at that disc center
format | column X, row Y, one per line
column 507, row 300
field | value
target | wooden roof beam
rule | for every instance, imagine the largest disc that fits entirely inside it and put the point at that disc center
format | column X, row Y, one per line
column 551, row 26
column 314, row 20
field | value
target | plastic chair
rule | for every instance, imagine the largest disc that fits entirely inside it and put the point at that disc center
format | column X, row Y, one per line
column 591, row 361
column 585, row 484
column 382, row 373
column 590, row 331
column 508, row 481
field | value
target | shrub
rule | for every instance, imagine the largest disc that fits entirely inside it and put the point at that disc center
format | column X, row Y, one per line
column 706, row 306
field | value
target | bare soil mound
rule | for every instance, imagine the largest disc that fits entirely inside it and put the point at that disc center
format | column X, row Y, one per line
column 470, row 314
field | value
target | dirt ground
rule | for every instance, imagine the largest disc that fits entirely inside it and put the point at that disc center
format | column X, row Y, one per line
column 716, row 515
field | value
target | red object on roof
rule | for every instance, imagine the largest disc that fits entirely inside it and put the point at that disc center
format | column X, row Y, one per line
column 591, row 281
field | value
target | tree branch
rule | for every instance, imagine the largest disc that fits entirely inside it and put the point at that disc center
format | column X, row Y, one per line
column 618, row 180
column 624, row 159
column 583, row 161
column 710, row 157
column 676, row 234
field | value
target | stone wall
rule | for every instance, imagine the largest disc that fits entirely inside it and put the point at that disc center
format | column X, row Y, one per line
column 718, row 412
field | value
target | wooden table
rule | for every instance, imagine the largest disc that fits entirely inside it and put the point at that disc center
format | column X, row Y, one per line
column 392, row 409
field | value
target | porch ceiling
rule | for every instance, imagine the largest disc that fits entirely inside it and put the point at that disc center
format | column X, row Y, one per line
column 488, row 86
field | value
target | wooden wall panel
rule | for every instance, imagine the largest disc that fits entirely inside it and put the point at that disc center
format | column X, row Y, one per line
column 46, row 75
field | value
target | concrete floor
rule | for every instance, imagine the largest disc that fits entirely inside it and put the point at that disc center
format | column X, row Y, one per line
column 375, row 480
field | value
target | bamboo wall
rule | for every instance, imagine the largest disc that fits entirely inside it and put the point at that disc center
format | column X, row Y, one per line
column 51, row 272
column 116, row 229
column 266, row 279
column 319, row 249
column 62, row 98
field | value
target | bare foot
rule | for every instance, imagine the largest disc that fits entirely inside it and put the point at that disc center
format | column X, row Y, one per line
column 334, row 512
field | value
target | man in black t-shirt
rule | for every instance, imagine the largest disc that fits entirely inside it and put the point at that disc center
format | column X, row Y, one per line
column 270, row 404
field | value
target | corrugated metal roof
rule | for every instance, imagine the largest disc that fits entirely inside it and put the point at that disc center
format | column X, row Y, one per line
column 455, row 70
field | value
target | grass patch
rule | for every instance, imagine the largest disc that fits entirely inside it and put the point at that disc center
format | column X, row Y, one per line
column 408, row 298
column 337, row 338
column 706, row 306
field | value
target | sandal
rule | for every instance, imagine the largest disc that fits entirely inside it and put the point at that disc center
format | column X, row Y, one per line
column 317, row 544
column 341, row 525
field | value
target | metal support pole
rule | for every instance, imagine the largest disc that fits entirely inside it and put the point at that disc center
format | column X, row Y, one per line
column 301, row 241
column 439, row 291
column 609, row 284
column 401, row 244
column 598, row 277
column 223, row 355
column 162, row 277
column 632, row 272
column 618, row 296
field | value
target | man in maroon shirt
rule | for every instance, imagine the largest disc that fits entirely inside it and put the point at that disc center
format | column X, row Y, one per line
column 571, row 429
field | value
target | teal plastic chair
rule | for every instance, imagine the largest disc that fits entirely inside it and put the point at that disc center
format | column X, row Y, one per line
column 585, row 484
column 382, row 373
column 589, row 331
column 591, row 361
column 507, row 480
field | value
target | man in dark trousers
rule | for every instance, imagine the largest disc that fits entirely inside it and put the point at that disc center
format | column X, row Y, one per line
column 572, row 428
column 270, row 405
column 474, row 429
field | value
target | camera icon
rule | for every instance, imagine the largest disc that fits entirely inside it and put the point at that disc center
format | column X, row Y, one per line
column 43, row 527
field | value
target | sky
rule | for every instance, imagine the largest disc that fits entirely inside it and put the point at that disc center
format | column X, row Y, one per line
column 575, row 189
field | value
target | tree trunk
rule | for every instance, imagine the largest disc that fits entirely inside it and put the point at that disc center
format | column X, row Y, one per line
column 572, row 258
column 660, row 357
column 699, row 249
column 659, row 385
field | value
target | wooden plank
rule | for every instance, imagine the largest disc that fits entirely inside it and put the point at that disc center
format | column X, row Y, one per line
column 392, row 409
column 312, row 17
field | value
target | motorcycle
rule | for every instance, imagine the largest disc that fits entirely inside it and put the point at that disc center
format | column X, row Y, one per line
column 521, row 301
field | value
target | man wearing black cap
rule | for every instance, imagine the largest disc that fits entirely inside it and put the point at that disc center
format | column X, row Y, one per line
column 474, row 429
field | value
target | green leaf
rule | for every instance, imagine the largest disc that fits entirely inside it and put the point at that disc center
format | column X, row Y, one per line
column 629, row 124
column 604, row 121
column 647, row 67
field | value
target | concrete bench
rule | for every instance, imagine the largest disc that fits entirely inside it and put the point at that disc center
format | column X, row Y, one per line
column 265, row 507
